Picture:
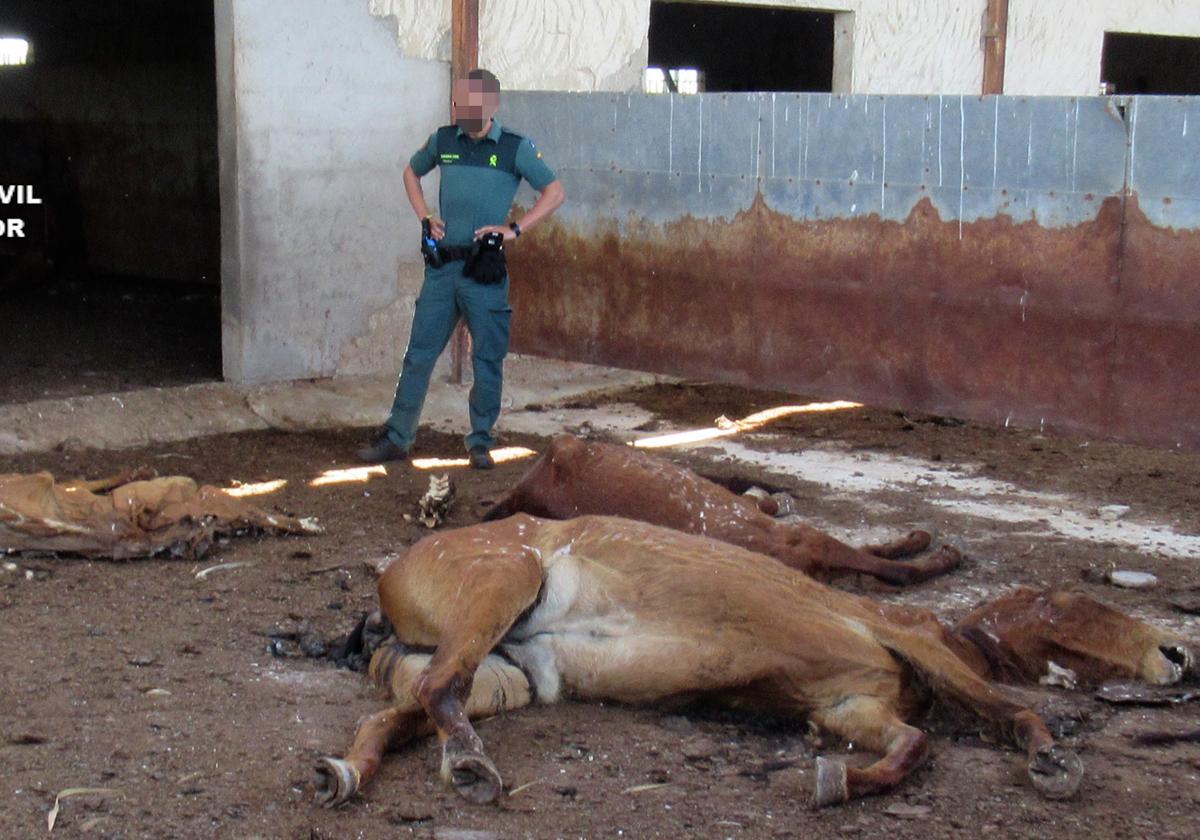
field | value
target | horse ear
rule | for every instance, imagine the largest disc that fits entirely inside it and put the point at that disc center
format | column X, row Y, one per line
column 565, row 453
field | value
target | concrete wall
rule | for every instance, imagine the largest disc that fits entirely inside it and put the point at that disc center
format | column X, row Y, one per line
column 323, row 101
column 319, row 112
column 1009, row 259
column 885, row 46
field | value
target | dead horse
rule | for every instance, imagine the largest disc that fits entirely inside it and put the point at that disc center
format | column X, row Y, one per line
column 603, row 608
column 575, row 477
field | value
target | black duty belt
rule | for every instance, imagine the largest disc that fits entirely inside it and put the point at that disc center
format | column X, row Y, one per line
column 450, row 253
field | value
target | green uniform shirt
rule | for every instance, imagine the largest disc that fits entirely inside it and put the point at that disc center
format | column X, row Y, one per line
column 479, row 178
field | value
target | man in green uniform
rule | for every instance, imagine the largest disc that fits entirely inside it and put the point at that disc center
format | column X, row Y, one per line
column 482, row 165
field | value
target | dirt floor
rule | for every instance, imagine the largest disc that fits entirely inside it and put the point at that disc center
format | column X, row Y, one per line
column 83, row 334
column 163, row 688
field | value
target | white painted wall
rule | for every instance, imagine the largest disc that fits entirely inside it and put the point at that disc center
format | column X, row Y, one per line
column 536, row 45
column 894, row 46
column 1054, row 46
column 601, row 44
column 893, row 51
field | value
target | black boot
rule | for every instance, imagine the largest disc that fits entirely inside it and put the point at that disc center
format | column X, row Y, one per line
column 481, row 459
column 382, row 450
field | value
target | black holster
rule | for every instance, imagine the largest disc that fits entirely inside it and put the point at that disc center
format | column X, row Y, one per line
column 429, row 246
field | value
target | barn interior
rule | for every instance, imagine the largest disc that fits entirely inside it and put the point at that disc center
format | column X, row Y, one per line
column 739, row 48
column 112, row 120
column 1155, row 65
column 189, row 696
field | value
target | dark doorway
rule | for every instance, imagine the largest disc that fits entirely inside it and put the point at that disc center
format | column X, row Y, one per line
column 112, row 127
column 744, row 48
column 1151, row 64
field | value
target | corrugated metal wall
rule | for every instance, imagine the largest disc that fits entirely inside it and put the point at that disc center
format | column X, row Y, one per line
column 1015, row 260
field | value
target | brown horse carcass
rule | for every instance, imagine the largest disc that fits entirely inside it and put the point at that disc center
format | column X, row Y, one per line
column 607, row 608
column 575, row 477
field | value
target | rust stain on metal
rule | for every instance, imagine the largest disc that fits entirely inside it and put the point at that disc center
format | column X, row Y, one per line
column 1158, row 333
column 1000, row 321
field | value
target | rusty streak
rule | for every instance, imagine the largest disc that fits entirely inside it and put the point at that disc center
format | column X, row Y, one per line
column 1013, row 323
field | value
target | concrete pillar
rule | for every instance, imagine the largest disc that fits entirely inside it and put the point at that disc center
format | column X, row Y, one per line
column 318, row 112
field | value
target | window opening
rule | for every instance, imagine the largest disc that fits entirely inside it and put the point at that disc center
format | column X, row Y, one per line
column 1150, row 64
column 725, row 47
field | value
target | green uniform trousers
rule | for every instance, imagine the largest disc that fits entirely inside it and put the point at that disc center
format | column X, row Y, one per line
column 445, row 297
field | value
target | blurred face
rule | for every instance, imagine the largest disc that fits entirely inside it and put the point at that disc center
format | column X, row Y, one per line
column 472, row 106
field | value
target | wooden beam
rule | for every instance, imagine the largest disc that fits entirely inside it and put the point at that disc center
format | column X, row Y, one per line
column 464, row 37
column 464, row 57
column 995, row 46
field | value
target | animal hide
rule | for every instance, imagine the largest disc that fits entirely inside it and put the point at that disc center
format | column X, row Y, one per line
column 127, row 516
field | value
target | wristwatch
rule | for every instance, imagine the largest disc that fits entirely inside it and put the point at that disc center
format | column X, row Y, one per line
column 516, row 228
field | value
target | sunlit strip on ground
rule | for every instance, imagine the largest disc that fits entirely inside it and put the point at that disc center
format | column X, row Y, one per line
column 352, row 475
column 728, row 428
column 260, row 488
column 500, row 456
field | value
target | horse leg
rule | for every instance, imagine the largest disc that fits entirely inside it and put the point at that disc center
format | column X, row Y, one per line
column 1054, row 770
column 498, row 686
column 823, row 556
column 111, row 482
column 461, row 600
column 867, row 721
column 338, row 779
column 914, row 542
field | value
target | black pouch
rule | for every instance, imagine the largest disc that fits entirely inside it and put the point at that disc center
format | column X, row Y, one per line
column 429, row 246
column 486, row 263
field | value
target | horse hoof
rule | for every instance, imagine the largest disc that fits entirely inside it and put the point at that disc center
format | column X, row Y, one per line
column 336, row 781
column 475, row 778
column 921, row 537
column 1181, row 663
column 831, row 783
column 1056, row 772
column 946, row 555
column 927, row 528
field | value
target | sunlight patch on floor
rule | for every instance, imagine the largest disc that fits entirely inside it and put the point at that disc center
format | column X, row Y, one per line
column 350, row 475
column 501, row 456
column 724, row 427
column 258, row 488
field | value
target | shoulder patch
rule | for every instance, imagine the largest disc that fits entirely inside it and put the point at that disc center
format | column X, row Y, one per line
column 447, row 144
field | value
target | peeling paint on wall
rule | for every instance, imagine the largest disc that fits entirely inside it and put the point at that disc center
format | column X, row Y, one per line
column 537, row 45
column 380, row 347
column 897, row 46
column 422, row 26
